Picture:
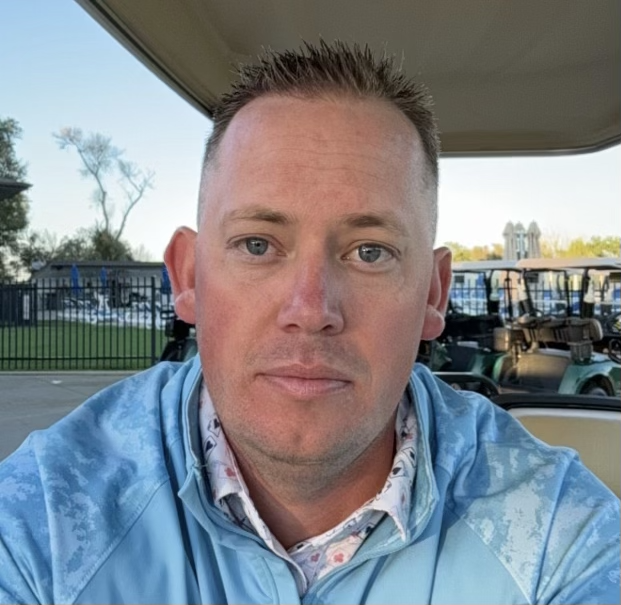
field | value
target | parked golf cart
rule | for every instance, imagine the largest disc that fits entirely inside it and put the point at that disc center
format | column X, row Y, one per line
column 592, row 289
column 181, row 345
column 612, row 336
column 550, row 349
column 479, row 301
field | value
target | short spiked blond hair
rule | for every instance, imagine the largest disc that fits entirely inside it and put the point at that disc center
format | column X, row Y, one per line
column 326, row 70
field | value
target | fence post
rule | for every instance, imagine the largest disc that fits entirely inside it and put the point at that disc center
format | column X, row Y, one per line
column 154, row 353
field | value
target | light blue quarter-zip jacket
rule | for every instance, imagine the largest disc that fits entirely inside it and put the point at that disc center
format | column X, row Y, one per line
column 110, row 506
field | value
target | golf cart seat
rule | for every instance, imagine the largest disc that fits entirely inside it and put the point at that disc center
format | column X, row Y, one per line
column 590, row 425
column 574, row 333
column 591, row 328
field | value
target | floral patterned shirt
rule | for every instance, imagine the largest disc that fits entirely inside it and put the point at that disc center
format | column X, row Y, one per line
column 315, row 557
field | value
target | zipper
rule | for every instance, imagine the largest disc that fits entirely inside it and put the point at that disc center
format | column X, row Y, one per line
column 312, row 595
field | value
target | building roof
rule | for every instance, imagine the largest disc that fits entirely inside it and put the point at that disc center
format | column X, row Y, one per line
column 92, row 269
column 11, row 187
column 108, row 264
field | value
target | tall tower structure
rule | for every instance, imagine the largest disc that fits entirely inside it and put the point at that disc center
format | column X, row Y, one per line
column 520, row 242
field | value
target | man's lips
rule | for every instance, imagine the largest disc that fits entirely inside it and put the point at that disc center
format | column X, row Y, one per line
column 306, row 381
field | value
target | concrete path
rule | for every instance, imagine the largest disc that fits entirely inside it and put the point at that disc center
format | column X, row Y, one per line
column 30, row 401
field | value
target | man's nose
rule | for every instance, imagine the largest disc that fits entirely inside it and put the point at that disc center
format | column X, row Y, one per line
column 312, row 302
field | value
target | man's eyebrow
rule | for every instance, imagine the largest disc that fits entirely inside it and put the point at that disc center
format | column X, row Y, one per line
column 363, row 220
column 373, row 220
column 258, row 213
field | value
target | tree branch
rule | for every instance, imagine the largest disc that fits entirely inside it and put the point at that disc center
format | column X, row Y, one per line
column 138, row 183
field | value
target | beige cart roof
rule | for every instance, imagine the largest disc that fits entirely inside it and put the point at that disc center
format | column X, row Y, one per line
column 552, row 264
column 527, row 76
column 482, row 266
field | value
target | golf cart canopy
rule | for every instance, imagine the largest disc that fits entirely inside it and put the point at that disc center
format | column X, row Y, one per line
column 525, row 77
column 484, row 265
column 559, row 264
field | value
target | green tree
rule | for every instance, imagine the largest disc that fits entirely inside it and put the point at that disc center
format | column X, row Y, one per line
column 476, row 253
column 76, row 247
column 107, row 247
column 460, row 252
column 553, row 245
column 596, row 246
column 607, row 246
column 14, row 210
column 35, row 247
column 497, row 252
column 86, row 244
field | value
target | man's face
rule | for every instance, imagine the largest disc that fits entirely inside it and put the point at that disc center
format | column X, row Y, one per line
column 314, row 275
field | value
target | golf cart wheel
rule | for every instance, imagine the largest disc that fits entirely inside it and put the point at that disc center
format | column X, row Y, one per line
column 595, row 389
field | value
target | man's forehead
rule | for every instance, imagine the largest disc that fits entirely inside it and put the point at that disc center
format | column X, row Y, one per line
column 351, row 150
column 327, row 120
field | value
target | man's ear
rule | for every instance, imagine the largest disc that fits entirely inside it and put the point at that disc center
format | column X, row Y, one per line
column 439, row 289
column 180, row 261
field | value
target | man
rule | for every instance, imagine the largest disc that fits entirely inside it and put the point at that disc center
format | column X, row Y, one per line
column 300, row 458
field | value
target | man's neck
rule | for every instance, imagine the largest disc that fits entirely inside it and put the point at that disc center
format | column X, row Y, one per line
column 299, row 503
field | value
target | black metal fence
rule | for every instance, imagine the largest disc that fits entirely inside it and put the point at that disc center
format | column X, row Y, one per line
column 81, row 324
column 73, row 324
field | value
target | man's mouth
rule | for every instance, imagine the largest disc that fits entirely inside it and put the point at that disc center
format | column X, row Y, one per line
column 306, row 381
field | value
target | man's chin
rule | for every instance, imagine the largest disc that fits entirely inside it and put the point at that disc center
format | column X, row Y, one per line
column 297, row 452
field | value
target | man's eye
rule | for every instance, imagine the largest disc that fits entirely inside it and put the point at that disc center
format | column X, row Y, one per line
column 370, row 253
column 257, row 246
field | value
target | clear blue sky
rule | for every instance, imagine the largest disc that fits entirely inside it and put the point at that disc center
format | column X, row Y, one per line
column 59, row 68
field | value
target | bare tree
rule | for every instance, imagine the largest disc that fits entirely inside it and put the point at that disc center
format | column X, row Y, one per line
column 101, row 160
column 553, row 244
column 142, row 253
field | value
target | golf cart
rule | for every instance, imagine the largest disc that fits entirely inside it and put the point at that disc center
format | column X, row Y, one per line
column 519, row 78
column 507, row 78
column 550, row 349
column 525, row 336
column 181, row 344
column 592, row 290
column 474, row 336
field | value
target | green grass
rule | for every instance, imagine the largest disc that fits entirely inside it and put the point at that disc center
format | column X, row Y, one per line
column 78, row 346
